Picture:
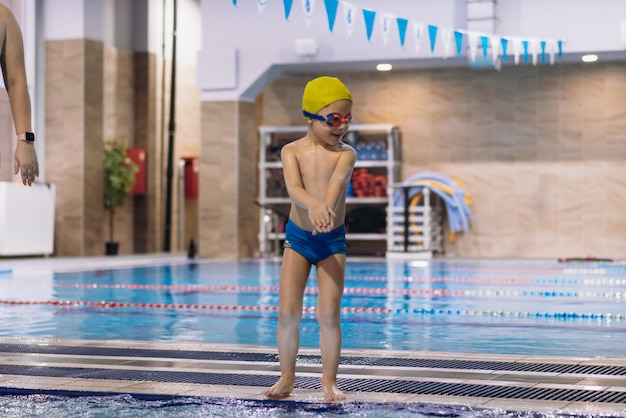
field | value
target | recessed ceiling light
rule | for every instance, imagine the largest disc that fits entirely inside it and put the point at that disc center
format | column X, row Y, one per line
column 384, row 67
column 590, row 58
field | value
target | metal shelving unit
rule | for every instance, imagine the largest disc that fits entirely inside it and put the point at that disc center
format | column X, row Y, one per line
column 274, row 202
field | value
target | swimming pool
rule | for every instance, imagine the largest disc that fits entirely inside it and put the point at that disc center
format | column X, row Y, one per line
column 126, row 406
column 475, row 306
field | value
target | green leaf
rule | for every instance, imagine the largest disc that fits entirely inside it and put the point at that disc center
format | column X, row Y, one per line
column 119, row 174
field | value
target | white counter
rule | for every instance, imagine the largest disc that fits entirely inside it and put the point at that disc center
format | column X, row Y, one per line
column 26, row 219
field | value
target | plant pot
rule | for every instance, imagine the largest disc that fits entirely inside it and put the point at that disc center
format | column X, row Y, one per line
column 112, row 248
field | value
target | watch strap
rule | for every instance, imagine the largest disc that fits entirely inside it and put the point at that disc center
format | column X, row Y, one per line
column 26, row 136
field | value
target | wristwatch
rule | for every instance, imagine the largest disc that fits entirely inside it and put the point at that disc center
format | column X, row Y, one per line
column 26, row 136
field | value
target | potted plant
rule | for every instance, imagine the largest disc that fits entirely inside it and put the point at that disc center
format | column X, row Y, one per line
column 119, row 177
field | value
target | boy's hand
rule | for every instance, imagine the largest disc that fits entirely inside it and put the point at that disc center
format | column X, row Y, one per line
column 321, row 217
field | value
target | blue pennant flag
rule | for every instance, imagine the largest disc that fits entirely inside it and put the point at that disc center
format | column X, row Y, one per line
column 525, row 44
column 504, row 42
column 369, row 16
column 560, row 48
column 484, row 41
column 402, row 24
column 287, row 4
column 331, row 12
column 458, row 38
column 234, row 2
column 432, row 32
column 543, row 52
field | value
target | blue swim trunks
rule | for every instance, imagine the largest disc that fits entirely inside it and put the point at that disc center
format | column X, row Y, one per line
column 315, row 248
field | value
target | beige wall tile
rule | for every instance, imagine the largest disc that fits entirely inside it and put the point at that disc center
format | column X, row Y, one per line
column 539, row 149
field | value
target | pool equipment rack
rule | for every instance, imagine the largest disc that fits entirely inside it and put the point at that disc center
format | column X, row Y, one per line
column 378, row 164
column 414, row 225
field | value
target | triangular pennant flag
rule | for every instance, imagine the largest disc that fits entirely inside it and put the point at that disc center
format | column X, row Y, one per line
column 446, row 41
column 560, row 44
column 261, row 5
column 517, row 49
column 505, row 43
column 495, row 47
column 458, row 38
column 349, row 10
column 385, row 26
column 287, row 4
column 307, row 7
column 432, row 34
column 331, row 12
column 418, row 31
column 484, row 42
column 402, row 23
column 553, row 50
column 369, row 16
column 543, row 52
column 472, row 37
column 235, row 3
column 525, row 45
column 534, row 50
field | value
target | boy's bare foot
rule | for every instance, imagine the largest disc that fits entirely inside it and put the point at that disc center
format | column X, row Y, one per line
column 281, row 389
column 332, row 393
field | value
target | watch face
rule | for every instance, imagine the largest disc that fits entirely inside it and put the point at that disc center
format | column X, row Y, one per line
column 30, row 136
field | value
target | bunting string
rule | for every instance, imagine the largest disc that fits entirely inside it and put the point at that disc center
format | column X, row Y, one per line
column 479, row 46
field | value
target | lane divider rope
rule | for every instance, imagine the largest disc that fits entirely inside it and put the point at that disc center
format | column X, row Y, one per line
column 620, row 280
column 312, row 309
column 357, row 290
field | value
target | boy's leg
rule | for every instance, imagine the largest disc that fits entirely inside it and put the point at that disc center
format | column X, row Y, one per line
column 293, row 278
column 330, row 279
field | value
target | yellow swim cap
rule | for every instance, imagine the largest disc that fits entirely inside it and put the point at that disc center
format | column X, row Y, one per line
column 323, row 91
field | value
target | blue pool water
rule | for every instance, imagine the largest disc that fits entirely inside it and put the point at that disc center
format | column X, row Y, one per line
column 528, row 308
column 39, row 406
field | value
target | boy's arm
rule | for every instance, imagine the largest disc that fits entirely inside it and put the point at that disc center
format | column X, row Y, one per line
column 319, row 213
column 340, row 178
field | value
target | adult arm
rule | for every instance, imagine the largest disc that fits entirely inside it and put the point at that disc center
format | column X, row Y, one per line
column 14, row 74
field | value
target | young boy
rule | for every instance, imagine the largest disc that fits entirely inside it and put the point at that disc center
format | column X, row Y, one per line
column 317, row 170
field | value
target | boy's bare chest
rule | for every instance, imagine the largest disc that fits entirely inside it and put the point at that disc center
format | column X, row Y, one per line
column 319, row 167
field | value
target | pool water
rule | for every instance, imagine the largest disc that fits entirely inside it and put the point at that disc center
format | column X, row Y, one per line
column 499, row 307
column 122, row 406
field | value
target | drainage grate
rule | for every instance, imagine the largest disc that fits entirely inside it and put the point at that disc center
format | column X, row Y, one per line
column 488, row 365
column 136, row 352
column 310, row 359
column 349, row 385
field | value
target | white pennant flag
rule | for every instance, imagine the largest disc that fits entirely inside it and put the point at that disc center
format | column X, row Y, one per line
column 418, row 32
column 535, row 49
column 385, row 25
column 349, row 15
column 553, row 49
column 307, row 8
column 261, row 5
column 495, row 41
column 446, row 40
column 472, row 38
column 517, row 49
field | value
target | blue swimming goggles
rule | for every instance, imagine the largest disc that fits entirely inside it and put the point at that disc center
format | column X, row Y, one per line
column 332, row 119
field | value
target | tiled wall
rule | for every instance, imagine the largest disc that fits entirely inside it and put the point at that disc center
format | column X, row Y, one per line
column 541, row 150
column 227, row 213
column 95, row 93
column 66, row 146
